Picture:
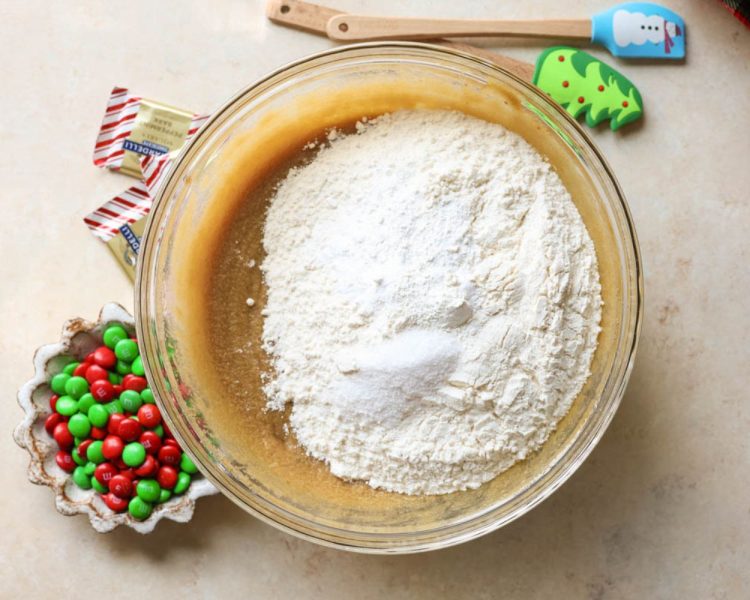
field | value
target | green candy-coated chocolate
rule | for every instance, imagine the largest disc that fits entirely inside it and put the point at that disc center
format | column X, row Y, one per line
column 77, row 441
column 89, row 468
column 66, row 406
column 57, row 383
column 187, row 464
column 70, row 367
column 133, row 454
column 98, row 415
column 131, row 401
column 148, row 396
column 159, row 430
column 94, row 452
column 85, row 402
column 77, row 458
column 75, row 387
column 81, row 478
column 138, row 508
column 137, row 367
column 126, row 350
column 79, row 425
column 148, row 490
column 183, row 482
column 113, row 334
column 98, row 486
column 113, row 407
column 114, row 379
column 122, row 367
column 164, row 495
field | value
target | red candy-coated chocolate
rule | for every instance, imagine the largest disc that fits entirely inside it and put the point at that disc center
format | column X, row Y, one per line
column 129, row 430
column 149, row 415
column 112, row 447
column 114, row 423
column 80, row 370
column 102, row 390
column 104, row 357
column 121, row 486
column 150, row 441
column 149, row 467
column 128, row 472
column 53, row 421
column 114, row 503
column 104, row 472
column 98, row 433
column 163, row 453
column 65, row 461
column 95, row 373
column 62, row 436
column 134, row 382
column 167, row 477
column 83, row 446
column 169, row 455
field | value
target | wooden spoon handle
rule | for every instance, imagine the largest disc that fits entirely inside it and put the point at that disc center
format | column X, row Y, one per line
column 314, row 18
column 301, row 15
column 351, row 28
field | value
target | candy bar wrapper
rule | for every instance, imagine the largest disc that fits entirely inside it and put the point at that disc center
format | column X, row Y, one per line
column 136, row 127
column 125, row 245
column 121, row 221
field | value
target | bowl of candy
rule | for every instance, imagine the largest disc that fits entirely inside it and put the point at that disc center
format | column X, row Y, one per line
column 95, row 435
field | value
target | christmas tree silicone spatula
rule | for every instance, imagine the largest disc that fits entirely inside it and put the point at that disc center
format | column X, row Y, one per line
column 577, row 81
column 632, row 30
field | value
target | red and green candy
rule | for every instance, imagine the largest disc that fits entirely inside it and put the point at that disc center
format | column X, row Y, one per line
column 110, row 432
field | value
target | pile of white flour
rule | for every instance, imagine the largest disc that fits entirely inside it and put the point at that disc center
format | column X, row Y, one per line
column 433, row 302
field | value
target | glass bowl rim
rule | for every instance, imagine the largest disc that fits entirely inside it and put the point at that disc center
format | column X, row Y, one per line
column 455, row 533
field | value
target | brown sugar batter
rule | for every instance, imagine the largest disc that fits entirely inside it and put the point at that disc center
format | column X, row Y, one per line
column 220, row 335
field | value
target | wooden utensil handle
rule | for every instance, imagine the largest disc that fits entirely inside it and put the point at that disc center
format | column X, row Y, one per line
column 351, row 28
column 314, row 18
column 301, row 15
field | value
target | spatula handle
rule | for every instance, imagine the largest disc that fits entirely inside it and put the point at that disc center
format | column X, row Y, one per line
column 351, row 28
column 314, row 18
column 301, row 15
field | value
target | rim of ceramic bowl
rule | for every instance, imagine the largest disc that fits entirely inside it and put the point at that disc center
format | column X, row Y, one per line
column 475, row 525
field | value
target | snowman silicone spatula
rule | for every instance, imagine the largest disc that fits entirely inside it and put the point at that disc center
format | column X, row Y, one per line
column 632, row 30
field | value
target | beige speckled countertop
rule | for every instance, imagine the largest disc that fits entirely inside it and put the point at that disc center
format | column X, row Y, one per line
column 661, row 509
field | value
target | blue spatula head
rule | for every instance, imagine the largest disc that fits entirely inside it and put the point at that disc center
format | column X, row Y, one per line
column 640, row 30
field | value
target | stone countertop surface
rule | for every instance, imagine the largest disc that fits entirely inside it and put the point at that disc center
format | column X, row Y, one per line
column 661, row 508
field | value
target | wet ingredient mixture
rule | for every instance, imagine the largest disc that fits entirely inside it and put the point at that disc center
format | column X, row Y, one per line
column 433, row 301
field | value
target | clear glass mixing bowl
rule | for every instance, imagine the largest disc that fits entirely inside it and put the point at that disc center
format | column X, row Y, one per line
column 249, row 461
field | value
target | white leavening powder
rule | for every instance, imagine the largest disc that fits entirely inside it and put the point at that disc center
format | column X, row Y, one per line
column 433, row 302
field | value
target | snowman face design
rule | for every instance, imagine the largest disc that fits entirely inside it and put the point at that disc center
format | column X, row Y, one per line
column 637, row 28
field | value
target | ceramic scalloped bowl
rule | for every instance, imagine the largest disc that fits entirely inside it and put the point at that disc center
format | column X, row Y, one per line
column 79, row 337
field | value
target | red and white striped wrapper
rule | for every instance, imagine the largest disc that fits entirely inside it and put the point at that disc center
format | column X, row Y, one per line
column 134, row 203
column 131, row 205
column 124, row 114
column 128, row 207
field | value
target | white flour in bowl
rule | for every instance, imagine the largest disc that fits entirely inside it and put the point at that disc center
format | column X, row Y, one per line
column 433, row 302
